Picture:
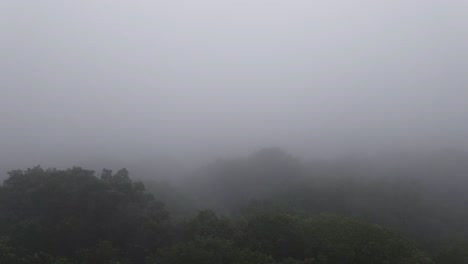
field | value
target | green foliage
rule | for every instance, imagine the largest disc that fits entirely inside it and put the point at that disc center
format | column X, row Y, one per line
column 456, row 253
column 208, row 251
column 62, row 211
column 344, row 240
column 327, row 239
column 11, row 255
column 397, row 196
column 268, row 208
column 208, row 224
column 280, row 235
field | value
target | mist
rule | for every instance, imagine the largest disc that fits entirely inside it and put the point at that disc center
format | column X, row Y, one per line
column 196, row 80
column 233, row 132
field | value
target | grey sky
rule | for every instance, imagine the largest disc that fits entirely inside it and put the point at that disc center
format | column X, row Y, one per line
column 188, row 78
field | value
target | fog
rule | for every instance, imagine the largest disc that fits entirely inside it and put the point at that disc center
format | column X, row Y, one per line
column 195, row 80
column 233, row 132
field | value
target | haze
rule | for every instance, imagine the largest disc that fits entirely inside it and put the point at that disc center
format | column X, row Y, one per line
column 195, row 80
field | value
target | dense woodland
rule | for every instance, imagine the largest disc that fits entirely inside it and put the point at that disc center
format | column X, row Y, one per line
column 268, row 207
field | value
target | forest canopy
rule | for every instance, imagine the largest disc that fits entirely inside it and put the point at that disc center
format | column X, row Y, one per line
column 269, row 207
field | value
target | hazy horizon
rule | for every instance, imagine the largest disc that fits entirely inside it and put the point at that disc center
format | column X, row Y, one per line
column 195, row 80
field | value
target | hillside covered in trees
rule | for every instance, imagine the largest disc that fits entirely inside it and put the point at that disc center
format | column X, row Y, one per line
column 268, row 207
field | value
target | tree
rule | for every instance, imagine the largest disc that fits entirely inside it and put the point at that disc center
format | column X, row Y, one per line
column 456, row 253
column 280, row 235
column 345, row 240
column 60, row 211
column 208, row 224
column 208, row 251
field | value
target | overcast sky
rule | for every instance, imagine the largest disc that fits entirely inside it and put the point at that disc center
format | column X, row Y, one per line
column 191, row 78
